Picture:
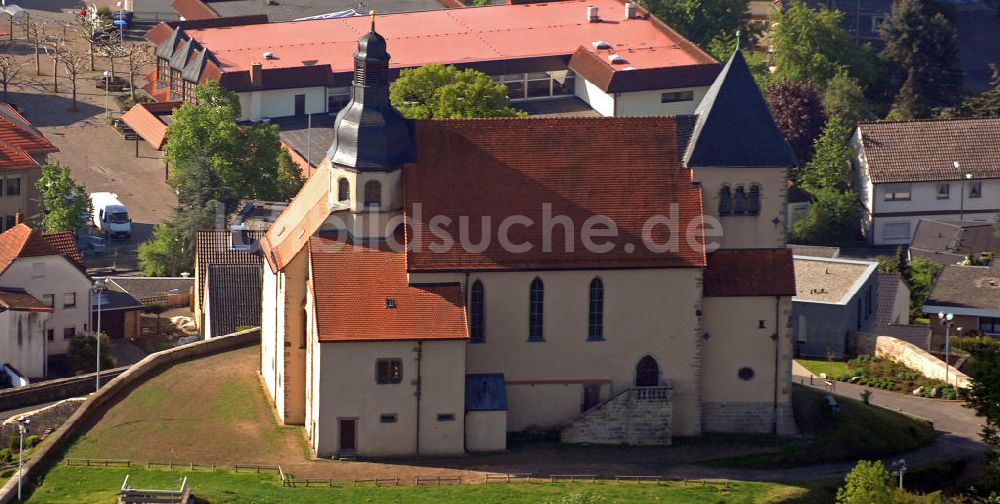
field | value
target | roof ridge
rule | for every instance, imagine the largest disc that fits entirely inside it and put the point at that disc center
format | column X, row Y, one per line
column 928, row 120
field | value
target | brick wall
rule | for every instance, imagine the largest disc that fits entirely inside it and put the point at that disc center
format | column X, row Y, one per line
column 638, row 416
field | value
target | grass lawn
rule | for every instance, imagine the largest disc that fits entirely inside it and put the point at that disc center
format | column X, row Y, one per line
column 858, row 431
column 817, row 366
column 90, row 484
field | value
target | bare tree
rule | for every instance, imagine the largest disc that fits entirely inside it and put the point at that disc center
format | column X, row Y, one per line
column 136, row 56
column 111, row 48
column 9, row 68
column 35, row 33
column 75, row 64
column 92, row 30
column 54, row 47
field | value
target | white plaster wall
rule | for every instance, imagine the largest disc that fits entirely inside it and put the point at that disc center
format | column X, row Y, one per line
column 269, row 336
column 349, row 391
column 256, row 105
column 647, row 103
column 28, row 357
column 60, row 276
column 486, row 431
column 598, row 100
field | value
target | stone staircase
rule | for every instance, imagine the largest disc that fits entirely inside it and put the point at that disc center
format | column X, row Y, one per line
column 635, row 416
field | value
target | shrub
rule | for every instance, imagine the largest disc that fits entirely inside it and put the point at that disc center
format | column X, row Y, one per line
column 31, row 441
column 5, row 456
column 13, row 444
column 868, row 483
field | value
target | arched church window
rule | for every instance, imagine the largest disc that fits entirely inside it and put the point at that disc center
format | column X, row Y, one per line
column 536, row 303
column 477, row 313
column 373, row 193
column 343, row 189
column 739, row 201
column 753, row 200
column 725, row 201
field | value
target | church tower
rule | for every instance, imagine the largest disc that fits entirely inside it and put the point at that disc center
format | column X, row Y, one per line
column 741, row 160
column 372, row 141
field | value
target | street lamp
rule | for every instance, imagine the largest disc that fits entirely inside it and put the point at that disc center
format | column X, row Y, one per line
column 107, row 76
column 99, row 286
column 899, row 468
column 946, row 321
column 22, row 427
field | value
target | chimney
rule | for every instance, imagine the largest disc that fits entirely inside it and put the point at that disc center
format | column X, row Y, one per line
column 630, row 10
column 18, row 218
column 256, row 74
column 592, row 16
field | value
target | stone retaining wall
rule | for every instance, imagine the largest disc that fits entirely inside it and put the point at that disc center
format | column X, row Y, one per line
column 99, row 402
column 910, row 356
column 638, row 416
column 48, row 418
column 54, row 390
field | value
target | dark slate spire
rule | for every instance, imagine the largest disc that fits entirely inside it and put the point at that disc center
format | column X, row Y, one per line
column 369, row 134
column 735, row 127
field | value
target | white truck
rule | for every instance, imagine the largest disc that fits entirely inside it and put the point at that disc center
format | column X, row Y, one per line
column 110, row 215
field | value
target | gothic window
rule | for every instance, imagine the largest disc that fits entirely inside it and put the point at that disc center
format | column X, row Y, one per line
column 343, row 189
column 725, row 201
column 536, row 302
column 739, row 201
column 596, row 320
column 373, row 194
column 753, row 200
column 477, row 313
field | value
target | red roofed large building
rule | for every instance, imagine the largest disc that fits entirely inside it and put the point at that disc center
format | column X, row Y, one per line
column 612, row 55
column 438, row 284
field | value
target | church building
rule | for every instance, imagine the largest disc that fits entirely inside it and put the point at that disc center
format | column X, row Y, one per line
column 439, row 284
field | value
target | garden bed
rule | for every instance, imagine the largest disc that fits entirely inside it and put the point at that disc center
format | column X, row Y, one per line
column 877, row 372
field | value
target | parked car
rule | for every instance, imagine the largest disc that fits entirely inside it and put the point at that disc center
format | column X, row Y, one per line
column 114, row 84
column 95, row 245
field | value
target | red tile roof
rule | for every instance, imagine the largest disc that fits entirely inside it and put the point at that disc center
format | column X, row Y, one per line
column 65, row 244
column 456, row 36
column 19, row 300
column 193, row 9
column 300, row 220
column 925, row 150
column 22, row 241
column 355, row 286
column 750, row 272
column 19, row 140
column 144, row 119
column 583, row 167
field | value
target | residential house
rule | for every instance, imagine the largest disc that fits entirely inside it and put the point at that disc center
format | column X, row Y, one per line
column 944, row 169
column 861, row 18
column 834, row 297
column 171, row 291
column 377, row 351
column 951, row 242
column 611, row 55
column 235, row 246
column 23, row 149
column 972, row 294
column 116, row 312
column 48, row 268
column 23, row 353
column 893, row 313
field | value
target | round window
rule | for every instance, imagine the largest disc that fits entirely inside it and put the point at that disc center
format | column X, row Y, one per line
column 745, row 373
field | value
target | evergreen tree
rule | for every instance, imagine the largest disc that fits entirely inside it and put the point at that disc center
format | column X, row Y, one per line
column 830, row 166
column 987, row 103
column 844, row 98
column 924, row 49
column 903, row 266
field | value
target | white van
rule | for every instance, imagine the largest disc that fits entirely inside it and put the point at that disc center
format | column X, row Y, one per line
column 110, row 216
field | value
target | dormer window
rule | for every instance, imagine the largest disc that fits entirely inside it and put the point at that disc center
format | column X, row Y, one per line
column 739, row 201
column 373, row 194
column 725, row 201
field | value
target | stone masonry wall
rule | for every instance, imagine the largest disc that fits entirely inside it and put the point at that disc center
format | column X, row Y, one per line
column 42, row 419
column 638, row 416
column 748, row 417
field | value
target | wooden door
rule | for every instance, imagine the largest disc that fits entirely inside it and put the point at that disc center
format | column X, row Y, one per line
column 348, row 435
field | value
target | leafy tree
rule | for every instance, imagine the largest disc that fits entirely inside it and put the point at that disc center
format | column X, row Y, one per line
column 721, row 46
column 986, row 103
column 170, row 249
column 903, row 266
column 811, row 45
column 798, row 112
column 82, row 353
column 701, row 20
column 921, row 279
column 844, row 98
column 832, row 219
column 445, row 92
column 868, row 483
column 830, row 165
column 247, row 160
column 984, row 394
column 924, row 48
column 67, row 206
